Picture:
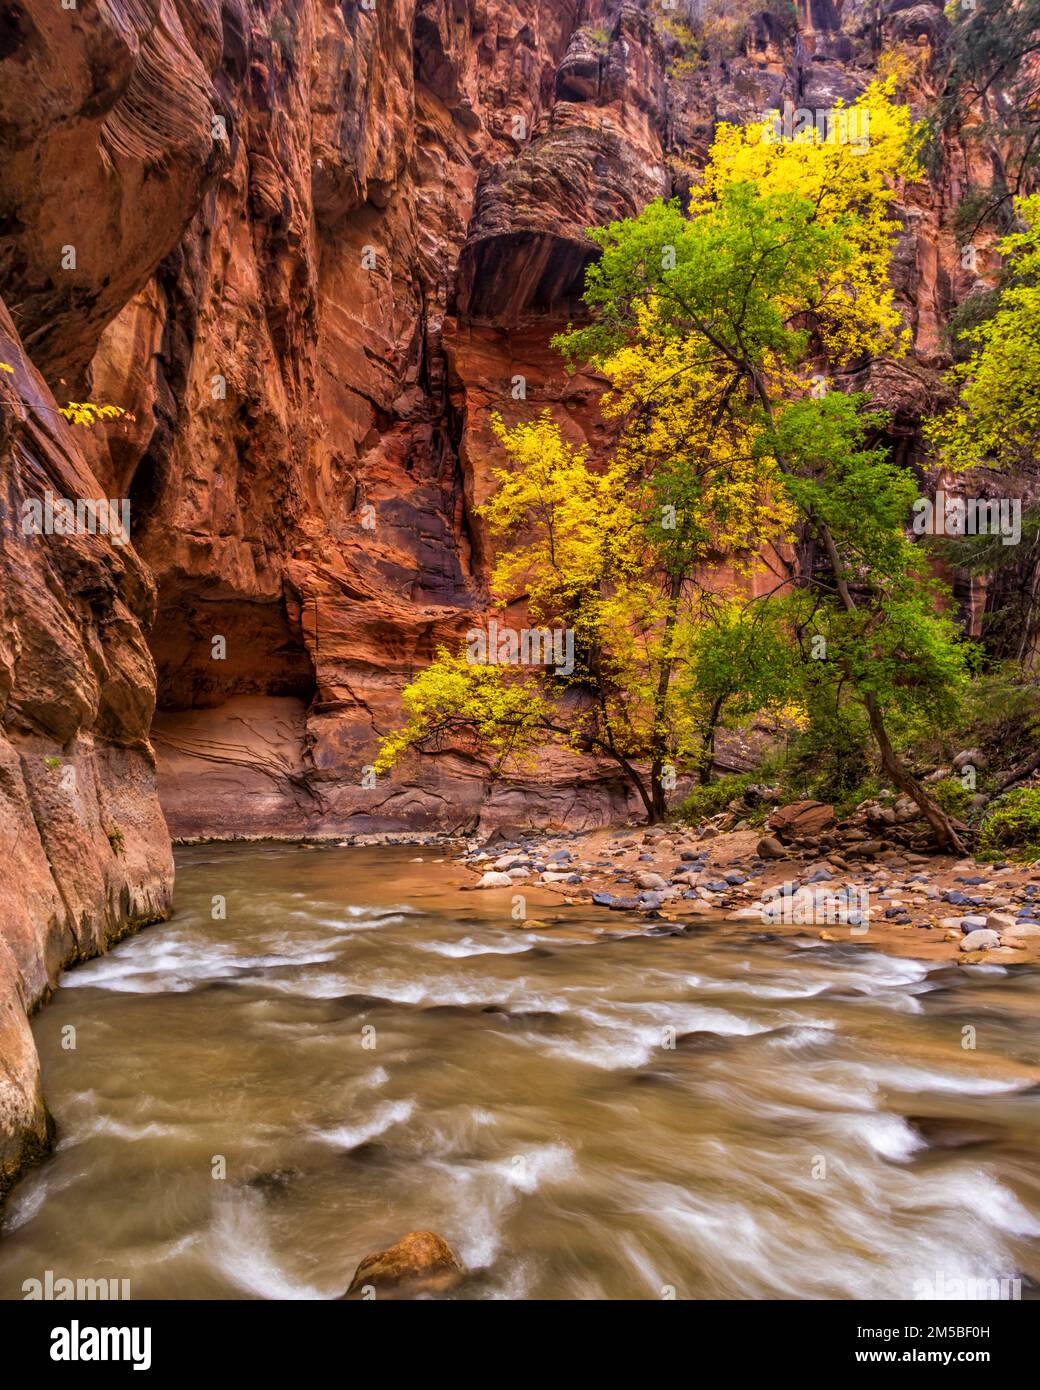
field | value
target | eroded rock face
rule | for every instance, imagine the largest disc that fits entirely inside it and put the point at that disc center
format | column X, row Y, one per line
column 106, row 113
column 307, row 458
column 83, row 842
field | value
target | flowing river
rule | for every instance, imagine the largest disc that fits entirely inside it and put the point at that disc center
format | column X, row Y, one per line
column 589, row 1110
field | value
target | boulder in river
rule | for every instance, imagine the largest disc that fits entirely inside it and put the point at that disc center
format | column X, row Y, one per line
column 981, row 940
column 421, row 1262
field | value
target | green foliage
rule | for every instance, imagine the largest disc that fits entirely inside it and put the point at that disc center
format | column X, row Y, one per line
column 1003, row 714
column 716, row 27
column 895, row 646
column 116, row 838
column 52, row 762
column 953, row 796
column 1013, row 824
column 1000, row 714
column 966, row 319
column 996, row 422
column 829, row 760
column 709, row 800
column 869, row 789
column 985, row 554
column 991, row 91
column 736, row 663
column 1011, row 617
column 686, row 63
column 709, row 325
column 739, row 656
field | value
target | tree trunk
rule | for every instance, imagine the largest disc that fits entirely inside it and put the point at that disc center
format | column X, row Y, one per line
column 651, row 800
column 944, row 828
column 658, row 802
column 658, row 747
column 706, row 761
column 942, row 825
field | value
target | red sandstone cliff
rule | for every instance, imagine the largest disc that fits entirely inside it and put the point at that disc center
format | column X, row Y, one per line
column 315, row 245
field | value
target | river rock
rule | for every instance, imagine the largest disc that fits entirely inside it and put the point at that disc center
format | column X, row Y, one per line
column 510, row 861
column 969, row 757
column 650, row 880
column 420, row 1262
column 1000, row 921
column 981, row 940
column 867, row 848
column 494, row 880
column 974, row 924
column 769, row 847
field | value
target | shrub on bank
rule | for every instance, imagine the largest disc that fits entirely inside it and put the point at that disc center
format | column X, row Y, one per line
column 710, row 799
column 953, row 796
column 1013, row 824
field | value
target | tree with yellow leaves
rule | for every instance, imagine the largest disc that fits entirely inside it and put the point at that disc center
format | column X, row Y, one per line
column 598, row 553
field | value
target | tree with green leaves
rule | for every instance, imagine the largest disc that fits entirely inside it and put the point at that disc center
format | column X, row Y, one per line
column 995, row 424
column 736, row 664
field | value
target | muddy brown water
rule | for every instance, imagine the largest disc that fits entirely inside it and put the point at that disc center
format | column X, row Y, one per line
column 362, row 1050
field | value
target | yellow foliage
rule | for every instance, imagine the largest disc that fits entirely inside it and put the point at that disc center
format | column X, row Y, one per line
column 731, row 502
column 577, row 525
column 87, row 413
column 852, row 183
column 492, row 707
